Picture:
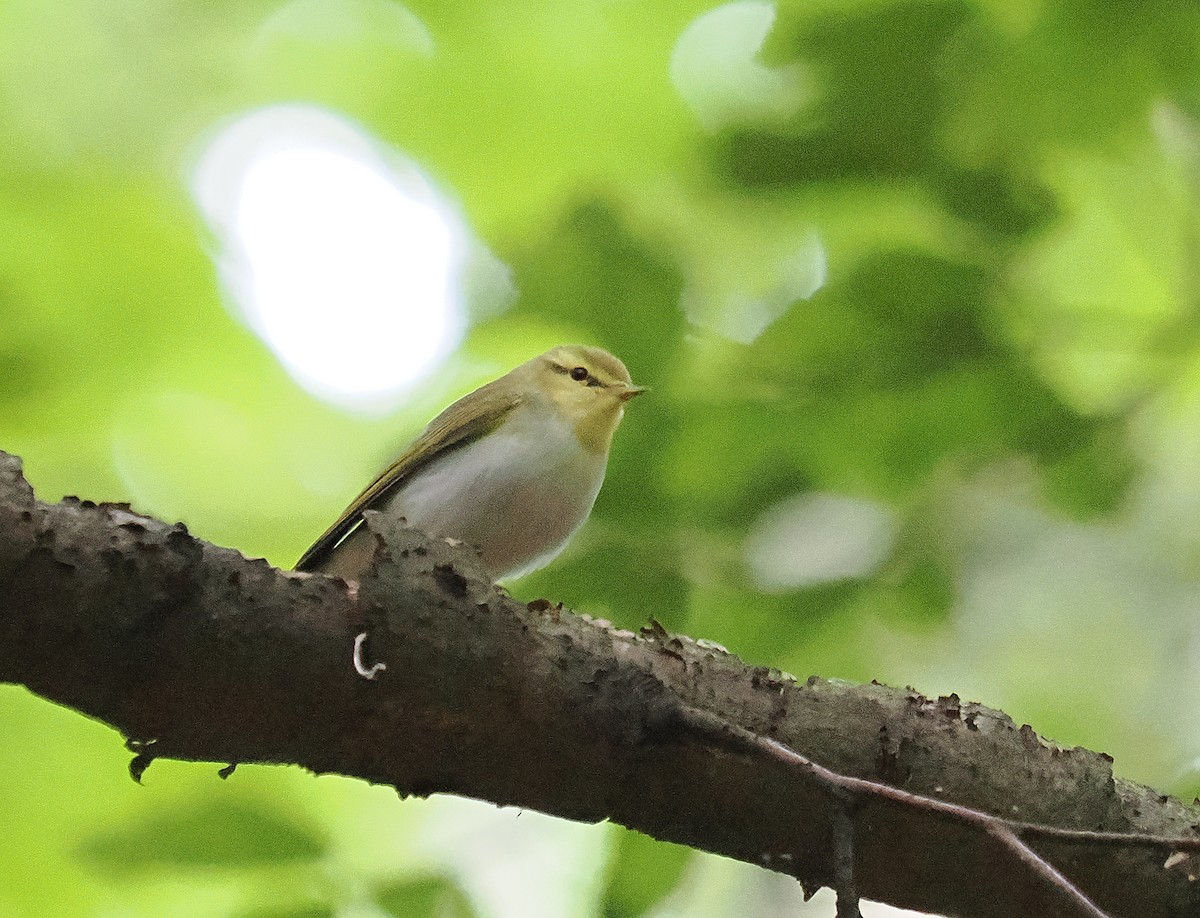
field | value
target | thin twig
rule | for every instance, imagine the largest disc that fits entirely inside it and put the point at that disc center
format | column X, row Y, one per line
column 1092, row 837
column 714, row 726
column 994, row 826
column 843, row 859
column 1038, row 866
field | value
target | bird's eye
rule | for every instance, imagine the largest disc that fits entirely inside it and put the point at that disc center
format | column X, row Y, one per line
column 579, row 374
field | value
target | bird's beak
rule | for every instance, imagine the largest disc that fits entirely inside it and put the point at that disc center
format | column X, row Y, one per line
column 630, row 391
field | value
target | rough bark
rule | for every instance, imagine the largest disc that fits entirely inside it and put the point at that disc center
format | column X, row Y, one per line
column 200, row 654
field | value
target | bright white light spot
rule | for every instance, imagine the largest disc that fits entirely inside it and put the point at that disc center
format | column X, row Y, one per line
column 351, row 276
column 337, row 251
column 715, row 67
column 817, row 538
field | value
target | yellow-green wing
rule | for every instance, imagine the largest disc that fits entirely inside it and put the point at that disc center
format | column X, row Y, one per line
column 468, row 419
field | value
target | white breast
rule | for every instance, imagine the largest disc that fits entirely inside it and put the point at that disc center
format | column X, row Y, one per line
column 517, row 494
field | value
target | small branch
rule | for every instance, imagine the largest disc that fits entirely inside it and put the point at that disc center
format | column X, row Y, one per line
column 1123, row 839
column 1040, row 868
column 843, row 859
column 843, row 786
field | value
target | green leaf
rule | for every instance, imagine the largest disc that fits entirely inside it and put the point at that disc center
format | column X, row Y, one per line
column 427, row 897
column 884, row 97
column 215, row 835
column 302, row 911
column 641, row 873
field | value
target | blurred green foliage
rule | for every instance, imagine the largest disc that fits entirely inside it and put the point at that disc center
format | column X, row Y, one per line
column 936, row 261
column 641, row 873
column 214, row 835
column 431, row 897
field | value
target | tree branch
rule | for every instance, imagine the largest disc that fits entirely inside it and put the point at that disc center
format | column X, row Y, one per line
column 196, row 653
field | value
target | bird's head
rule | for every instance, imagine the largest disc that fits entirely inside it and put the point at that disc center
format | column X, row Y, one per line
column 588, row 386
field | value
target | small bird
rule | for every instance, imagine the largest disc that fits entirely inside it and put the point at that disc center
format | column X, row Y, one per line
column 513, row 468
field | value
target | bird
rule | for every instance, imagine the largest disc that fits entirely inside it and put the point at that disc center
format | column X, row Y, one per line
column 512, row 468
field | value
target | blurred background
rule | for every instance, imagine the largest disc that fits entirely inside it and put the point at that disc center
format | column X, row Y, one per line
column 915, row 285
